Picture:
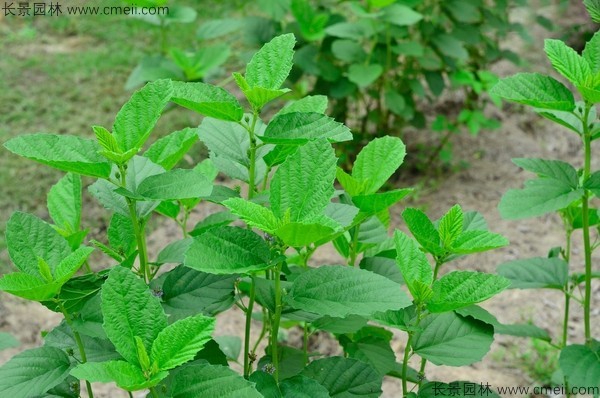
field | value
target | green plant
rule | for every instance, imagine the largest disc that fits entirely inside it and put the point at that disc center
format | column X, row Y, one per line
column 146, row 328
column 562, row 188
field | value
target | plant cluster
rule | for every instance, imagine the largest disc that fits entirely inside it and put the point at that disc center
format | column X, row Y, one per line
column 146, row 326
column 564, row 189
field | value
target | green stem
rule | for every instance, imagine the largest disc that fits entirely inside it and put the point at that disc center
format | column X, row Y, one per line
column 305, row 343
column 252, row 167
column 78, row 341
column 153, row 392
column 140, row 237
column 422, row 370
column 586, row 228
column 275, row 324
column 247, row 363
column 565, row 330
column 354, row 246
column 407, row 350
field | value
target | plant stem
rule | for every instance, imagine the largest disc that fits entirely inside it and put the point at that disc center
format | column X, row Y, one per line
column 153, row 392
column 354, row 246
column 305, row 343
column 78, row 341
column 422, row 370
column 407, row 351
column 247, row 363
column 565, row 333
column 275, row 324
column 586, row 227
column 140, row 237
column 252, row 167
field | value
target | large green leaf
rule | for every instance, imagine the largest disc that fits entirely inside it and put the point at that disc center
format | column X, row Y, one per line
column 581, row 366
column 536, row 90
column 137, row 117
column 257, row 96
column 298, row 128
column 423, row 230
column 302, row 387
column 462, row 288
column 371, row 349
column 591, row 54
column 29, row 287
column 130, row 310
column 29, row 238
column 556, row 169
column 345, row 377
column 175, row 184
column 253, row 214
column 213, row 381
column 303, row 185
column 477, row 241
column 308, row 104
column 181, row 341
column 228, row 250
column 64, row 152
column 121, row 235
column 64, row 203
column 208, row 100
column 70, row 264
column 339, row 291
column 169, row 150
column 33, row 372
column 270, row 66
column 298, row 234
column 540, row 196
column 450, row 339
column 126, row 375
column 567, row 62
column 536, row 273
column 364, row 75
column 450, row 226
column 377, row 202
column 413, row 264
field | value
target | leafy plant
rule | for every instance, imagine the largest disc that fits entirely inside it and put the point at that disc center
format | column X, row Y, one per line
column 562, row 188
column 144, row 327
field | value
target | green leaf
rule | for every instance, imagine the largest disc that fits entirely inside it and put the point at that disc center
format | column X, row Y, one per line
column 378, row 161
column 121, row 235
column 339, row 291
column 536, row 273
column 303, row 185
column 591, row 54
column 345, row 377
column 298, row 234
column 451, row 226
column 270, row 66
column 348, row 51
column 593, row 8
column 451, row 46
column 253, row 214
column 308, row 104
column 29, row 238
column 181, row 341
column 536, row 90
column 539, row 197
column 64, row 152
column 364, row 75
column 29, row 287
column 581, row 366
column 423, row 230
column 130, row 310
column 350, row 30
column 374, row 350
column 377, row 202
column 257, row 96
column 207, row 100
column 567, row 62
column 33, row 372
column 70, row 264
column 298, row 128
column 230, row 345
column 210, row 381
column 453, row 340
column 169, row 150
column 463, row 288
column 64, row 203
column 413, row 264
column 228, row 250
column 215, row 28
column 311, row 23
column 477, row 241
column 126, row 375
column 185, row 292
column 137, row 117
column 7, row 340
column 214, row 220
column 96, row 349
column 302, row 387
column 175, row 184
column 555, row 169
column 174, row 252
column 401, row 15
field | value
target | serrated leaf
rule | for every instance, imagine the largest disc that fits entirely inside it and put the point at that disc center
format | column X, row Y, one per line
column 129, row 310
column 373, row 350
column 270, row 66
column 214, row 220
column 137, row 117
column 228, row 250
column 70, row 264
column 556, row 169
column 423, row 230
column 581, row 366
column 211, row 381
column 121, row 235
column 126, row 375
column 345, row 377
column 451, row 226
column 477, row 241
column 96, row 349
column 64, row 152
column 463, row 288
column 33, row 372
column 453, row 340
column 303, row 185
column 378, row 161
column 340, row 291
column 591, row 54
column 539, row 197
column 253, row 214
column 302, row 387
column 175, row 184
column 536, row 273
column 593, row 8
column 179, row 342
column 229, row 140
column 413, row 264
column 298, row 234
column 536, row 90
column 297, row 128
column 364, row 75
column 169, row 150
column 106, row 140
column 257, row 96
column 64, row 203
column 567, row 62
column 29, row 287
column 377, row 202
column 207, row 100
column 308, row 104
column 29, row 238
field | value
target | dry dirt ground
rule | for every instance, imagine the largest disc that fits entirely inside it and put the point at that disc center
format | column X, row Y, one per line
column 478, row 187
